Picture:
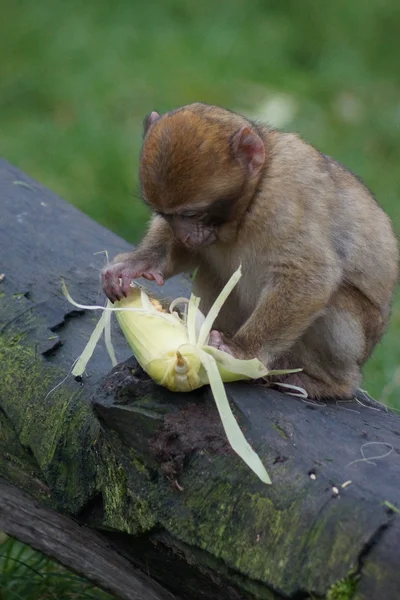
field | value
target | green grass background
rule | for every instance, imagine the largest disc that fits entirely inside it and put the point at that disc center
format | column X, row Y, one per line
column 77, row 78
column 29, row 575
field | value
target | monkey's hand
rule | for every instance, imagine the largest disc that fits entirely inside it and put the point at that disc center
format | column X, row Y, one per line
column 223, row 343
column 117, row 277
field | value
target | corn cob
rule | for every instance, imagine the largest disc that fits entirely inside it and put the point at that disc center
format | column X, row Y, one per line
column 174, row 352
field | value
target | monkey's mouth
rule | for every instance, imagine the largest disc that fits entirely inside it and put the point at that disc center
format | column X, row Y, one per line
column 201, row 240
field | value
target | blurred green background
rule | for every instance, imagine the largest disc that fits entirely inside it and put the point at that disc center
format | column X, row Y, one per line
column 78, row 77
column 29, row 575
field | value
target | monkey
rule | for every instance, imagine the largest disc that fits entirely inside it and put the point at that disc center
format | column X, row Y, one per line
column 319, row 255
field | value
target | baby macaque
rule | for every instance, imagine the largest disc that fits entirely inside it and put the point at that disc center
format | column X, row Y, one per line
column 318, row 253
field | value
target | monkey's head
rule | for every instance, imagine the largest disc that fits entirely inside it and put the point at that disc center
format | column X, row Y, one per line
column 199, row 169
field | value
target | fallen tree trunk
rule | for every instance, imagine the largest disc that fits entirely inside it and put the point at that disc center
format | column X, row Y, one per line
column 78, row 547
column 149, row 473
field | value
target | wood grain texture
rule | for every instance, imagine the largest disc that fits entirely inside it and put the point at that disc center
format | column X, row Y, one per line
column 82, row 550
column 150, row 470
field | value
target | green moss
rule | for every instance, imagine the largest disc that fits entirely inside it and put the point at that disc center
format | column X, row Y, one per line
column 17, row 465
column 345, row 589
column 241, row 527
column 137, row 464
column 115, row 497
column 263, row 534
column 280, row 430
column 125, row 509
column 57, row 427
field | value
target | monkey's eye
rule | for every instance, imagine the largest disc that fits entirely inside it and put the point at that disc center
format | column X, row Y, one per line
column 165, row 216
column 189, row 214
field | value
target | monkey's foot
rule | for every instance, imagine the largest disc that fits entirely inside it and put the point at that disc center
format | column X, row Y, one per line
column 117, row 278
column 315, row 388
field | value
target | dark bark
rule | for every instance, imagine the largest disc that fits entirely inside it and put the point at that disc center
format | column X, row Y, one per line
column 76, row 546
column 151, row 471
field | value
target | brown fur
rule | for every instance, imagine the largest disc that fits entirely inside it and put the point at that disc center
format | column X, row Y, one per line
column 319, row 255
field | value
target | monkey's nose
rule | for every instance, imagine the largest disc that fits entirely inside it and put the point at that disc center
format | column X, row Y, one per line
column 186, row 239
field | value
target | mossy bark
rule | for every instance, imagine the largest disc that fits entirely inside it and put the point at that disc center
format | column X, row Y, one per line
column 152, row 470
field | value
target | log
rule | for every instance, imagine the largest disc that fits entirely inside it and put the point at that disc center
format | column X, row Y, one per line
column 76, row 546
column 149, row 473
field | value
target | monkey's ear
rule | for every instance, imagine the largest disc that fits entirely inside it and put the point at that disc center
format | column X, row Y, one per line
column 149, row 120
column 249, row 148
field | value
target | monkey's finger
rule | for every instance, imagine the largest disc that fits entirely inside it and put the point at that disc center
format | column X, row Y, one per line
column 126, row 280
column 155, row 276
column 215, row 339
column 159, row 278
column 114, row 293
column 111, row 286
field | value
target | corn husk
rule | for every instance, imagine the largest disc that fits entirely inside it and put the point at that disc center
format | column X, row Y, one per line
column 174, row 351
column 176, row 344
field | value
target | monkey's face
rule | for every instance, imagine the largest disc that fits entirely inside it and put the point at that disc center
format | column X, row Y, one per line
column 200, row 204
column 202, row 226
column 198, row 173
column 191, row 230
column 208, row 215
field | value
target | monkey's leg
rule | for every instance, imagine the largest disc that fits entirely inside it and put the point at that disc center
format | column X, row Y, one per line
column 334, row 348
column 316, row 389
column 324, row 374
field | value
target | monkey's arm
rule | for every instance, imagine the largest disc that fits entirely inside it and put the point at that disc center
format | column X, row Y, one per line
column 290, row 302
column 157, row 258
